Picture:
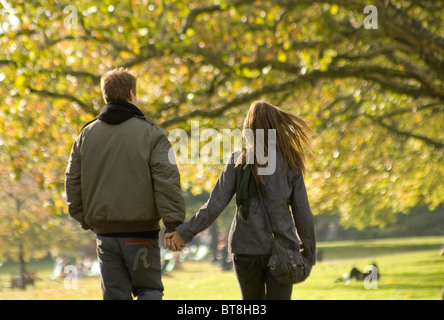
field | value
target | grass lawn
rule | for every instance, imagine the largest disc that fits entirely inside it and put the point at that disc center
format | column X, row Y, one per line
column 410, row 268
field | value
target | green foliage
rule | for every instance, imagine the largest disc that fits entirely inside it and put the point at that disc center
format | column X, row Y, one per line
column 29, row 227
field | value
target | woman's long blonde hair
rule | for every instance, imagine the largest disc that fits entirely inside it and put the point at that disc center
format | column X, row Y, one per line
column 292, row 135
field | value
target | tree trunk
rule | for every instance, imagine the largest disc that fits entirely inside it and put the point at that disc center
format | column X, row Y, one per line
column 21, row 261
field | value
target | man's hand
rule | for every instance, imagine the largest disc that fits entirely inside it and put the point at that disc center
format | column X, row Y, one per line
column 174, row 241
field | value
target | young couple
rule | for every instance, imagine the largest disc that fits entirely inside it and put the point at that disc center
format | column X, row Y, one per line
column 120, row 184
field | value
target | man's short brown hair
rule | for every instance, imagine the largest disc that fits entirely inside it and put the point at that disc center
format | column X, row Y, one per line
column 116, row 85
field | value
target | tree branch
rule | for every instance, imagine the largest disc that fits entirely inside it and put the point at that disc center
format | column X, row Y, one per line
column 383, row 76
column 394, row 129
column 7, row 62
column 245, row 98
column 397, row 23
column 195, row 12
column 85, row 107
column 435, row 106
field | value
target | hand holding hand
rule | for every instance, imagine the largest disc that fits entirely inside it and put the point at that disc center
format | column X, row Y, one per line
column 174, row 241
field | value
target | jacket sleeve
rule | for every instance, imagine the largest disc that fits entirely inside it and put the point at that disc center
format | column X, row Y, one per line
column 220, row 197
column 73, row 185
column 303, row 218
column 166, row 183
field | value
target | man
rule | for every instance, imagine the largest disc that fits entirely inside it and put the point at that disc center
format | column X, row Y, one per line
column 120, row 184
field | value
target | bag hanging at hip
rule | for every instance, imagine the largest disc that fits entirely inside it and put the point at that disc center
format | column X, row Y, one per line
column 286, row 265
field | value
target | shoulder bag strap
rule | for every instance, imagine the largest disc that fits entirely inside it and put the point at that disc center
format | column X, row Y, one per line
column 263, row 205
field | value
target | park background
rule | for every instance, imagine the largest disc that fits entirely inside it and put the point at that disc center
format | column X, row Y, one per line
column 366, row 75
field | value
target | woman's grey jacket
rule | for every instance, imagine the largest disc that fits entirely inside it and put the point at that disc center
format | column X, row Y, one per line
column 252, row 235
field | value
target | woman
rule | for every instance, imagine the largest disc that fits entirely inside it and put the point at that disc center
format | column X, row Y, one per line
column 250, row 238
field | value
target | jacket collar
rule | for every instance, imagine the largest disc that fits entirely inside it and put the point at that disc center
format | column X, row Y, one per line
column 119, row 111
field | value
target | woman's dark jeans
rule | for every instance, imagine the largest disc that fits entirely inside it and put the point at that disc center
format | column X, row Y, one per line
column 255, row 280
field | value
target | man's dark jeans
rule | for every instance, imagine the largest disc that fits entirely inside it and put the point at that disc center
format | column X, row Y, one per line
column 129, row 266
column 255, row 280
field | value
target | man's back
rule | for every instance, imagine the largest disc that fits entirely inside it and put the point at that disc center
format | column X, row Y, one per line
column 116, row 178
column 125, row 177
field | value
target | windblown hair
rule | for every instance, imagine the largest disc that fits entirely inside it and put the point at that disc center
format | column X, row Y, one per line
column 292, row 135
column 116, row 85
